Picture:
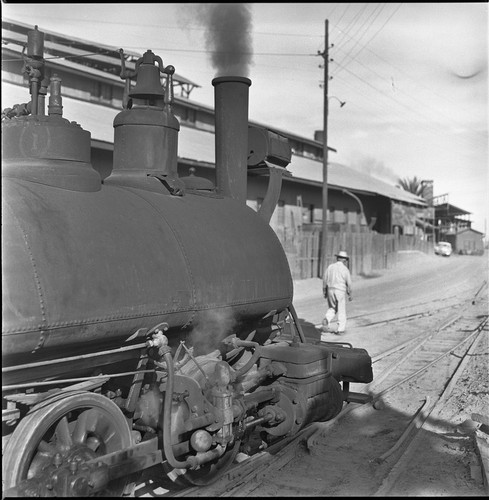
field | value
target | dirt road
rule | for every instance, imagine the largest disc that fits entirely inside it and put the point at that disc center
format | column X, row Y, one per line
column 444, row 462
column 417, row 280
column 344, row 462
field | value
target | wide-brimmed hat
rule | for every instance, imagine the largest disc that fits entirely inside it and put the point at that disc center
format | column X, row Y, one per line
column 342, row 254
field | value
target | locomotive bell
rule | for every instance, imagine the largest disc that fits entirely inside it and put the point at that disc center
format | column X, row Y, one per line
column 148, row 77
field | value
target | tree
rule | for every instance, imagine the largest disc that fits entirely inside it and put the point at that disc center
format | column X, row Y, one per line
column 413, row 185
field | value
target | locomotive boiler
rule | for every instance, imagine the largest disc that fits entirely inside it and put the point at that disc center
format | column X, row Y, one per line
column 147, row 318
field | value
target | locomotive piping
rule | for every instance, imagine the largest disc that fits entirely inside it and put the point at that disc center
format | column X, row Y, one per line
column 167, row 446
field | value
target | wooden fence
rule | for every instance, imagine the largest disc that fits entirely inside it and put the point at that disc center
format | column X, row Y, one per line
column 368, row 251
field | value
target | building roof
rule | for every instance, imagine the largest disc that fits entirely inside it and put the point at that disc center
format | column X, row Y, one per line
column 196, row 145
column 342, row 176
column 76, row 53
column 449, row 210
column 469, row 229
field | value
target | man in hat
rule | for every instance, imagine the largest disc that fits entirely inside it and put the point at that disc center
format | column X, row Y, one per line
column 336, row 286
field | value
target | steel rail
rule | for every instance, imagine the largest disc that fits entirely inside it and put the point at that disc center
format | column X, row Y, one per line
column 413, row 315
column 434, row 410
column 240, row 475
column 322, row 427
column 238, row 479
column 425, row 367
column 318, row 429
column 312, row 433
column 393, row 318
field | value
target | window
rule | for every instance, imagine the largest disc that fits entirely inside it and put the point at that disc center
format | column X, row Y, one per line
column 352, row 217
column 101, row 91
column 307, row 214
column 330, row 215
column 188, row 115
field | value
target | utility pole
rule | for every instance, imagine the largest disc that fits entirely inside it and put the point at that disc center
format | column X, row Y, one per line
column 324, row 233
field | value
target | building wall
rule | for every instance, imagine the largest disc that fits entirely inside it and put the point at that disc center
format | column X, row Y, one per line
column 469, row 242
column 300, row 202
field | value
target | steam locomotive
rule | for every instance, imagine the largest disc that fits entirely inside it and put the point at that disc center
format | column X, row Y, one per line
column 148, row 317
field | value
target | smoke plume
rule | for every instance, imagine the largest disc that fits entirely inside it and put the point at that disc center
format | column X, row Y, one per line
column 373, row 167
column 228, row 36
column 212, row 327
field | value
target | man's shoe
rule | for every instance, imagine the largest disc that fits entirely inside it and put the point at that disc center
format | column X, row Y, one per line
column 327, row 329
column 340, row 333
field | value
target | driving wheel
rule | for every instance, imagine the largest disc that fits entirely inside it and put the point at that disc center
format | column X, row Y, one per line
column 73, row 429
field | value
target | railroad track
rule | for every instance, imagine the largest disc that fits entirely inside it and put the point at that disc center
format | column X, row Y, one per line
column 407, row 313
column 393, row 460
column 448, row 343
column 409, row 441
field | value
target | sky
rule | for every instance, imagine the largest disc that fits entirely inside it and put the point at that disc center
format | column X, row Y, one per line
column 413, row 75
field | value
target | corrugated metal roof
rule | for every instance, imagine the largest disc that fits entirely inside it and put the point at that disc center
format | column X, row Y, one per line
column 199, row 145
column 342, row 176
column 107, row 56
column 447, row 209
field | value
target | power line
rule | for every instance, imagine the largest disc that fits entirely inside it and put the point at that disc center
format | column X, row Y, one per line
column 177, row 28
column 411, row 112
column 366, row 30
column 166, row 49
column 414, row 98
column 377, row 32
column 417, row 82
column 350, row 23
column 405, row 119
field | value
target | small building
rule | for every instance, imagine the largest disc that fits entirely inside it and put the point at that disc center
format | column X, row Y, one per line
column 453, row 224
column 449, row 218
column 467, row 241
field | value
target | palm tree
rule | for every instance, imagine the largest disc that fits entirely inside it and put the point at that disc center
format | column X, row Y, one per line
column 413, row 185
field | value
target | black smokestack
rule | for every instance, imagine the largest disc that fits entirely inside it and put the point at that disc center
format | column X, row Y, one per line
column 228, row 36
column 231, row 135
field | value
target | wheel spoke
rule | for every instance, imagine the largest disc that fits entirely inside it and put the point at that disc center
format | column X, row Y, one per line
column 63, row 434
column 108, row 438
column 80, row 430
column 103, row 427
column 46, row 448
column 93, row 417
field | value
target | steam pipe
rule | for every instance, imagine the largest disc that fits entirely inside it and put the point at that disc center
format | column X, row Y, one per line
column 246, row 367
column 34, row 65
column 297, row 324
column 231, row 135
column 167, row 446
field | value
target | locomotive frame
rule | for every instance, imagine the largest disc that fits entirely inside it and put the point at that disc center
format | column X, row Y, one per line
column 148, row 318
